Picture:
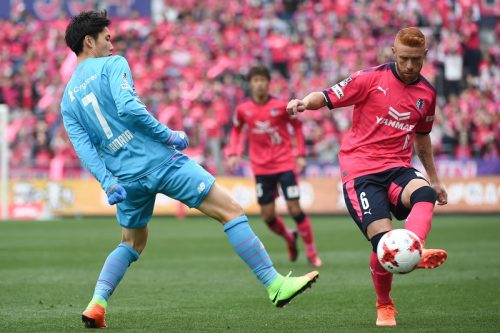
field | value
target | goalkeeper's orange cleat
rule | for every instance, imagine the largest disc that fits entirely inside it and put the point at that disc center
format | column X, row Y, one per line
column 432, row 258
column 386, row 314
column 94, row 316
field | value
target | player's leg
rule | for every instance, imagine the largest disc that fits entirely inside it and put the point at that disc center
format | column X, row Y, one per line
column 191, row 184
column 290, row 186
column 277, row 225
column 266, row 193
column 416, row 203
column 366, row 201
column 305, row 230
column 281, row 289
column 382, row 279
column 133, row 215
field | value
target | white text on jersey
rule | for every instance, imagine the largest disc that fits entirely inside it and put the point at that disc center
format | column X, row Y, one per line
column 120, row 141
column 394, row 123
column 85, row 83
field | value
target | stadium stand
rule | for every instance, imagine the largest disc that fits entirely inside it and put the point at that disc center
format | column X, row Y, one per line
column 190, row 59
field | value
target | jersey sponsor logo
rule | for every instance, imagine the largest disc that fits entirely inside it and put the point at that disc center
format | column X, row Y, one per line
column 85, row 83
column 420, row 104
column 292, row 192
column 71, row 96
column 264, row 127
column 396, row 122
column 383, row 90
column 337, row 91
column 398, row 115
column 344, row 82
column 120, row 141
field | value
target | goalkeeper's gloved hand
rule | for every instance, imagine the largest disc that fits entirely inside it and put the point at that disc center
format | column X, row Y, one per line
column 179, row 140
column 116, row 194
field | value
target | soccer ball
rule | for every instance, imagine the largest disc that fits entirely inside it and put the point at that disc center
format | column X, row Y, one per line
column 399, row 251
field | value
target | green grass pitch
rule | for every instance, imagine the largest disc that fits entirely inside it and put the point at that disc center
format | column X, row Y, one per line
column 189, row 279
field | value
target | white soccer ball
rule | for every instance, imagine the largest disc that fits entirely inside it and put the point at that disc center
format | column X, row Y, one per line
column 399, row 251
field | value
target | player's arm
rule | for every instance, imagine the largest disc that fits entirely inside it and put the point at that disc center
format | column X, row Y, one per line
column 87, row 153
column 424, row 150
column 312, row 101
column 300, row 142
column 423, row 147
column 133, row 111
column 235, row 146
column 349, row 91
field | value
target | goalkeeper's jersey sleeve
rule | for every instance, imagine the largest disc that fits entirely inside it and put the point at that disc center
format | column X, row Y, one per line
column 112, row 132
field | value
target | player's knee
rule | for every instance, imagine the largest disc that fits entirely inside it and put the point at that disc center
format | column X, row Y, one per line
column 269, row 220
column 231, row 211
column 294, row 208
column 138, row 245
column 376, row 239
column 423, row 194
column 299, row 216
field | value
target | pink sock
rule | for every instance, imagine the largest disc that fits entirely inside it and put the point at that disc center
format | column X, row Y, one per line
column 382, row 280
column 306, row 233
column 420, row 219
column 279, row 227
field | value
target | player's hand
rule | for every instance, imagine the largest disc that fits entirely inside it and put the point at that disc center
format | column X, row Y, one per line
column 233, row 162
column 116, row 194
column 295, row 106
column 179, row 140
column 442, row 195
column 300, row 163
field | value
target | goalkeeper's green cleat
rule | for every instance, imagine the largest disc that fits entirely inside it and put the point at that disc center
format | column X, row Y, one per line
column 285, row 288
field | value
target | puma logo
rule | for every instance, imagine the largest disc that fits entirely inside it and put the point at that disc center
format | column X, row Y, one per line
column 383, row 90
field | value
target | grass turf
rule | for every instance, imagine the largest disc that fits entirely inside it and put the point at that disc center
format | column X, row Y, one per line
column 189, row 279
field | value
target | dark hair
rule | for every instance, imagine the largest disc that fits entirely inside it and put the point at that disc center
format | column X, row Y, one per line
column 85, row 24
column 259, row 70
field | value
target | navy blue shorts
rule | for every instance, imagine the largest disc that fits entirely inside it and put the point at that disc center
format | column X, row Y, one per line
column 375, row 196
column 266, row 187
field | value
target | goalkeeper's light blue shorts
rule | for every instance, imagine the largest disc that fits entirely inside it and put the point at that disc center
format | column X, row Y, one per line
column 181, row 179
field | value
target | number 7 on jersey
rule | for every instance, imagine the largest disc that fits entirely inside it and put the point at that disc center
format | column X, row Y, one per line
column 92, row 99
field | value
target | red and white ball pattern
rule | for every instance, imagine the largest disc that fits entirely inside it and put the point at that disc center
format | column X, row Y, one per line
column 399, row 251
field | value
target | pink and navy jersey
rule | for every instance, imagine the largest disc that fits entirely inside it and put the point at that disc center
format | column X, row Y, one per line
column 387, row 114
column 271, row 148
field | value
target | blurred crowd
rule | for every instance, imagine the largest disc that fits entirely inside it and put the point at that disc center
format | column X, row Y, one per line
column 190, row 58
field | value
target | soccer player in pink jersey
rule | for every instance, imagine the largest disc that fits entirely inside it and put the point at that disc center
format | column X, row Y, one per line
column 273, row 160
column 393, row 110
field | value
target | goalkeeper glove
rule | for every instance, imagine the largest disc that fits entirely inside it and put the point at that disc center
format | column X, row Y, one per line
column 116, row 194
column 178, row 140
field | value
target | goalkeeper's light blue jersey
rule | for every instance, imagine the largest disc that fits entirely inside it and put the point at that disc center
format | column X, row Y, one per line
column 113, row 134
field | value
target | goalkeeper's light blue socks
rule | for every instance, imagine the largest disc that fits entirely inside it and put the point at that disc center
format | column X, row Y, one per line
column 250, row 249
column 244, row 241
column 114, row 269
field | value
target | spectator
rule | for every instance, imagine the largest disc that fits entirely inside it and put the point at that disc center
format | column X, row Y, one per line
column 197, row 53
